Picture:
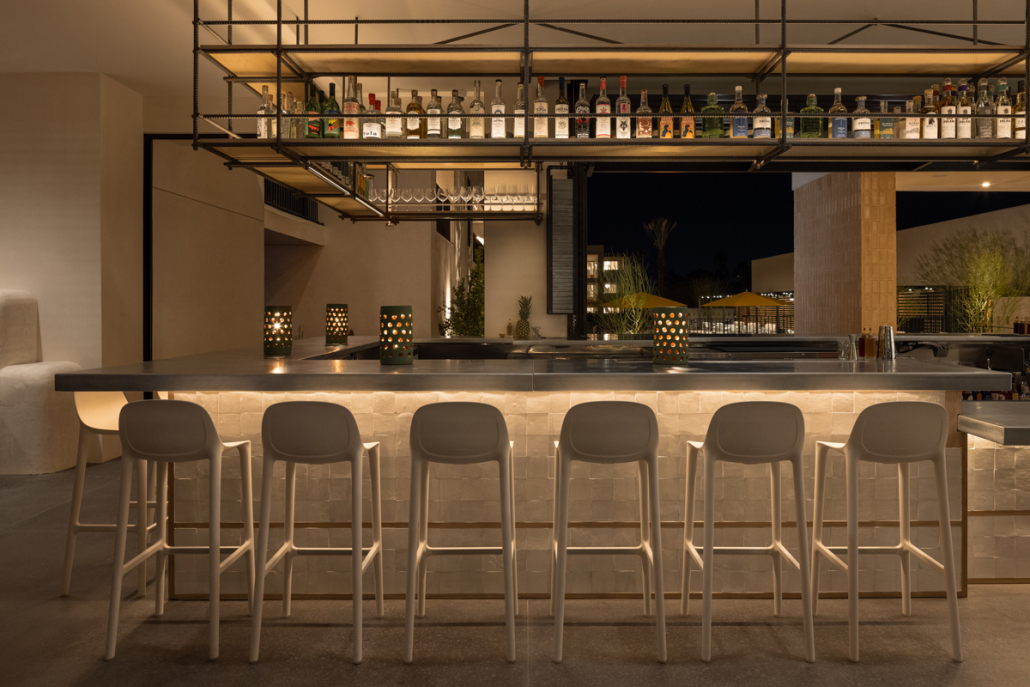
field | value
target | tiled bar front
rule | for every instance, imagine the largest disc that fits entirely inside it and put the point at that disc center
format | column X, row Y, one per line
column 465, row 509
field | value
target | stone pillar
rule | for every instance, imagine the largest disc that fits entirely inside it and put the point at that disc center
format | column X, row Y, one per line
column 845, row 254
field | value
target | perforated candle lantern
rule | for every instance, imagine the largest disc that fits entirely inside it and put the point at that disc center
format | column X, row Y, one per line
column 278, row 331
column 336, row 323
column 395, row 335
column 670, row 336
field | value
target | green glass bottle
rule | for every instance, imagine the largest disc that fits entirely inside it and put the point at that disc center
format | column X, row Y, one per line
column 812, row 127
column 314, row 108
column 712, row 126
column 331, row 129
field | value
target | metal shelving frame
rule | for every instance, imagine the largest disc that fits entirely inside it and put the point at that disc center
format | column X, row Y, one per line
column 699, row 154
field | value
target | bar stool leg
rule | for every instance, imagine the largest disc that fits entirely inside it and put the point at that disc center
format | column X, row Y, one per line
column 562, row 527
column 905, row 557
column 262, row 550
column 508, row 548
column 291, row 502
column 803, row 557
column 356, row 530
column 852, row 479
column 645, row 563
column 777, row 537
column 73, row 518
column 656, row 548
column 554, row 531
column 246, row 475
column 948, row 551
column 709, row 555
column 215, row 552
column 141, row 526
column 514, row 542
column 413, row 535
column 161, row 535
column 377, row 525
column 423, row 539
column 688, row 529
column 817, row 522
column 121, row 535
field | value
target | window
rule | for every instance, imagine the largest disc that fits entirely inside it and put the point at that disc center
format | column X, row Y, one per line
column 591, row 292
column 609, row 288
column 610, row 265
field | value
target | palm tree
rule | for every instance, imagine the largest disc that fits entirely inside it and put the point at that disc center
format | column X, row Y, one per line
column 659, row 229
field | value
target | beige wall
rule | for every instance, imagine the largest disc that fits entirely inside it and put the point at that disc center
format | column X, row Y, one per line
column 775, row 273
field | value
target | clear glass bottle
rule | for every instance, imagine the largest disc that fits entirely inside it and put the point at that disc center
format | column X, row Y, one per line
column 912, row 122
column 929, row 124
column 1019, row 122
column 623, row 122
column 313, row 107
column 519, row 110
column 266, row 116
column 993, row 97
column 434, row 124
column 288, row 121
column 949, row 108
column 332, row 125
column 414, row 126
column 455, row 117
column 711, row 127
column 561, row 107
column 964, row 108
column 762, row 122
column 477, row 124
column 603, row 123
column 497, row 107
column 738, row 123
column 362, row 111
column 394, row 120
column 790, row 124
column 838, row 125
column 645, row 122
column 666, row 123
column 300, row 123
column 862, row 126
column 687, row 121
column 984, row 106
column 541, row 129
column 351, row 110
column 582, row 113
column 883, row 125
column 1003, row 128
column 812, row 127
column 370, row 127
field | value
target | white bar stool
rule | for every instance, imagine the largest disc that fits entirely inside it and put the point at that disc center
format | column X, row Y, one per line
column 900, row 433
column 457, row 434
column 178, row 432
column 751, row 433
column 609, row 432
column 316, row 433
column 98, row 415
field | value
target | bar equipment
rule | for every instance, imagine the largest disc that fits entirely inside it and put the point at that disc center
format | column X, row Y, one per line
column 886, row 349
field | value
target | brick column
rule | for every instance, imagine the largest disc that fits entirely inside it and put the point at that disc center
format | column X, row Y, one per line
column 845, row 254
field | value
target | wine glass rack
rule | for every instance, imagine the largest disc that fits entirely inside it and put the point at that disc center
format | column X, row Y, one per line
column 287, row 67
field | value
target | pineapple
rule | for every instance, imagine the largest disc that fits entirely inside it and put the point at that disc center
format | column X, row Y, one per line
column 522, row 326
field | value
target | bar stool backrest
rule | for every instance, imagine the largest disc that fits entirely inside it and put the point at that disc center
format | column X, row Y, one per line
column 609, row 432
column 899, row 431
column 312, row 432
column 167, row 431
column 756, row 432
column 98, row 410
column 459, row 433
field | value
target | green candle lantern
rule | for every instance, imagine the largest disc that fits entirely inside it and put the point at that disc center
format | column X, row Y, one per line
column 671, row 334
column 336, row 323
column 278, row 331
column 395, row 335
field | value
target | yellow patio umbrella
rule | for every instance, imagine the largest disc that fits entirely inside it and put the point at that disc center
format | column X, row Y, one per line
column 642, row 301
column 745, row 299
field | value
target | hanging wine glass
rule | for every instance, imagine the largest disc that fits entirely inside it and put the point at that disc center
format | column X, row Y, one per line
column 430, row 196
column 406, row 195
column 466, row 195
column 395, row 194
column 441, row 194
column 418, row 194
column 478, row 195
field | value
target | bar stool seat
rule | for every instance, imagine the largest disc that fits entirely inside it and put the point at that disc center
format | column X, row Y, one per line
column 177, row 432
column 609, row 432
column 317, row 433
column 457, row 434
column 899, row 433
column 750, row 433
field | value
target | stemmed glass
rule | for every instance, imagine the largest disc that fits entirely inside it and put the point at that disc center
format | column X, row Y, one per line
column 466, row 195
column 478, row 195
column 453, row 194
column 395, row 195
column 430, row 196
column 406, row 195
column 491, row 197
column 524, row 193
column 441, row 194
column 419, row 195
column 506, row 196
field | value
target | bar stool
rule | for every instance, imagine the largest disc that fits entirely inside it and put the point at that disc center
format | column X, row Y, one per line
column 316, row 433
column 750, row 433
column 98, row 415
column 609, row 432
column 177, row 432
column 900, row 433
column 457, row 434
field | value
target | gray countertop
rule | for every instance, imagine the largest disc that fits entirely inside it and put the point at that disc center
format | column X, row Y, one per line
column 1003, row 422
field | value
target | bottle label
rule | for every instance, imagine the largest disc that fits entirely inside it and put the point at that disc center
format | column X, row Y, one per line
column 763, row 127
column 350, row 120
column 519, row 123
column 912, row 127
column 686, row 127
column 477, row 126
column 985, row 128
column 433, row 123
column 540, row 127
column 886, row 128
column 497, row 129
column 838, row 127
column 372, row 130
column 948, row 123
column 561, row 124
column 412, row 125
column 393, row 125
column 964, row 126
column 862, row 128
column 1004, row 125
column 604, row 124
column 1021, row 127
column 738, row 127
column 314, row 124
column 929, row 127
column 644, row 126
column 665, row 127
column 332, row 126
column 454, row 124
column 623, row 125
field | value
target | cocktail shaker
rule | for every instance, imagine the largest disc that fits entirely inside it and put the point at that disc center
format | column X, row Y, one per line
column 886, row 350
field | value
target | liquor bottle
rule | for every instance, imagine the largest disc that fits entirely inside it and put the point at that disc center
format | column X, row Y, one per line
column 497, row 128
column 519, row 123
column 862, row 127
column 838, row 125
column 883, row 126
column 455, row 117
column 929, row 124
column 666, row 124
column 582, row 113
column 911, row 122
column 288, row 127
column 380, row 121
column 1004, row 107
column 603, row 123
column 984, row 127
column 541, row 129
column 434, row 125
column 362, row 112
column 812, row 127
column 738, row 123
column 561, row 107
column 371, row 128
column 790, row 124
column 917, row 105
column 300, row 122
column 993, row 98
column 763, row 118
column 394, row 120
column 1020, row 111
column 711, row 127
column 266, row 116
column 687, row 122
column 623, row 123
column 331, row 128
column 477, row 125
column 949, row 108
column 413, row 124
column 964, row 125
column 314, row 111
column 645, row 122
column 351, row 110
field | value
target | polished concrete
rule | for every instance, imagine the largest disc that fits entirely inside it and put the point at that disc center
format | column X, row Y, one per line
column 47, row 640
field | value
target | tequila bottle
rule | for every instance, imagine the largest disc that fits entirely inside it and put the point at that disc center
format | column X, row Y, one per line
column 812, row 127
column 351, row 110
column 541, row 128
column 949, row 108
column 414, row 126
column 1020, row 113
column 582, row 113
column 790, row 124
column 433, row 122
column 763, row 118
column 984, row 126
column 497, row 107
column 266, row 116
column 394, row 120
column 711, row 127
column 371, row 128
column 912, row 122
column 838, row 125
column 666, row 124
column 561, row 107
column 964, row 124
column 645, row 122
column 477, row 124
column 519, row 110
column 603, row 123
column 929, row 128
column 738, row 123
column 862, row 126
column 314, row 111
column 687, row 121
column 455, row 117
column 1003, row 107
column 883, row 125
column 623, row 122
column 300, row 122
column 993, row 98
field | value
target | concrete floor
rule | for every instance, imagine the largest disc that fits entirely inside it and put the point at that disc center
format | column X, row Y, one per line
column 48, row 640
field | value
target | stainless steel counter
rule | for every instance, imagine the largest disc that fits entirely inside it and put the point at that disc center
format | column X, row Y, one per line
column 1003, row 422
